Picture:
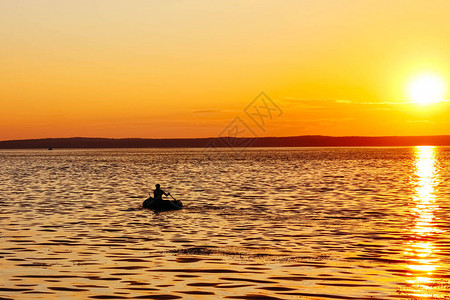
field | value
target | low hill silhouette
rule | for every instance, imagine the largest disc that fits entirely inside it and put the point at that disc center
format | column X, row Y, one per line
column 293, row 141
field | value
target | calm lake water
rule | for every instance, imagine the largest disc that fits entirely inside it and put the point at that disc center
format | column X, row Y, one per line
column 291, row 223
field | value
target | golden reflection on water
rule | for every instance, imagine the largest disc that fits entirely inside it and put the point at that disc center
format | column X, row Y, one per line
column 420, row 250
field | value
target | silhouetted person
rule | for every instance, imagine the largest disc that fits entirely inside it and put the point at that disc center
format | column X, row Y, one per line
column 158, row 192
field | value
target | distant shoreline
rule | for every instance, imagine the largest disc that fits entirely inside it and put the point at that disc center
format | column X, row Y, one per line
column 292, row 141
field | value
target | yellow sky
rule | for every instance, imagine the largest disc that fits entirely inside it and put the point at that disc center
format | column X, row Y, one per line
column 173, row 68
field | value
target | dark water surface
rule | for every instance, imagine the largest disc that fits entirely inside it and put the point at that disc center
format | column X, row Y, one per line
column 294, row 223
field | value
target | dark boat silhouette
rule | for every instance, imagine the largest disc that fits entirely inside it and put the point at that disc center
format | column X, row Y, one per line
column 162, row 205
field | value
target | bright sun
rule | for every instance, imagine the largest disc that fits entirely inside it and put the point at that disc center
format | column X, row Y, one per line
column 426, row 89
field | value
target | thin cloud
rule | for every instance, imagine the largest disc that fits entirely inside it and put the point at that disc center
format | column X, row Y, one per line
column 346, row 101
column 421, row 121
column 214, row 111
column 339, row 101
column 206, row 111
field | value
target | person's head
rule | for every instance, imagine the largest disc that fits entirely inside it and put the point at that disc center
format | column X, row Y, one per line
column 157, row 186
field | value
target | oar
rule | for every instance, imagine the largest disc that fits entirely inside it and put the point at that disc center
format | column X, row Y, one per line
column 178, row 203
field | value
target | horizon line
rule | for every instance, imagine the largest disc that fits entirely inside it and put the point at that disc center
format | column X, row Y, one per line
column 227, row 137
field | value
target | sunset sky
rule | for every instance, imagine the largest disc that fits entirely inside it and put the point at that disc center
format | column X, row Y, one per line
column 172, row 68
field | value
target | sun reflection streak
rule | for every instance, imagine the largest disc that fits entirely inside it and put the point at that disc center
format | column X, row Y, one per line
column 420, row 250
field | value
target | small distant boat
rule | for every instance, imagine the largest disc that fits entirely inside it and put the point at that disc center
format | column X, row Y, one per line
column 162, row 205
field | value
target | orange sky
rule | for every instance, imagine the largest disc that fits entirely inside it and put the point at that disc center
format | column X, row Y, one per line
column 148, row 68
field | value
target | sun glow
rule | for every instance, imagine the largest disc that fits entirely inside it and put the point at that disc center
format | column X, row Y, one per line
column 426, row 89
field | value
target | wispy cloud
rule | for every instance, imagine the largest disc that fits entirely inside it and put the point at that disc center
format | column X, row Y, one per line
column 340, row 101
column 347, row 101
column 327, row 104
column 206, row 111
column 421, row 121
